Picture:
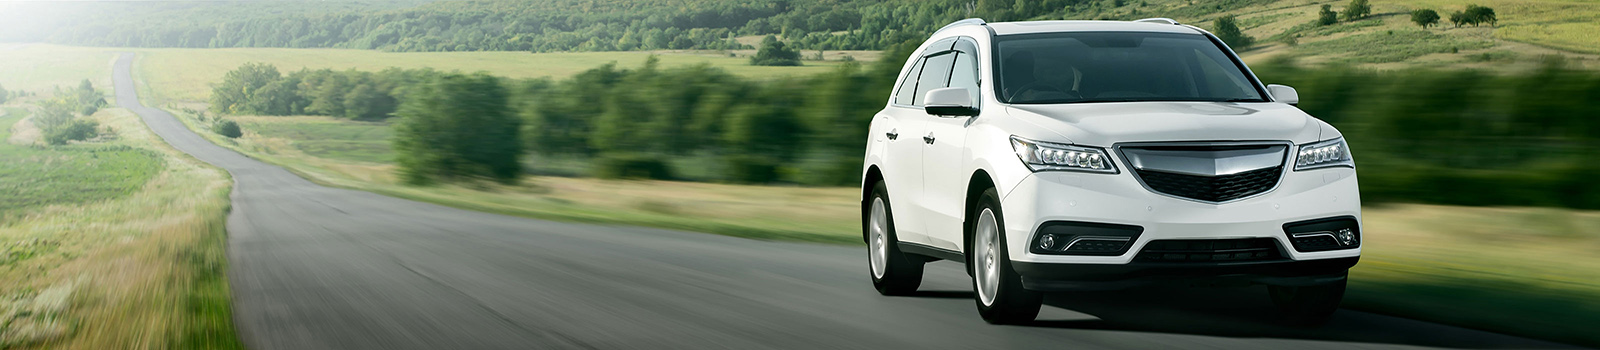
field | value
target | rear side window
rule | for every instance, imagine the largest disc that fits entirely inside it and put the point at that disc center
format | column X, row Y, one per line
column 935, row 75
column 908, row 87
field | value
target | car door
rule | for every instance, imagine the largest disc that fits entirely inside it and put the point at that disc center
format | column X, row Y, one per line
column 944, row 172
column 902, row 160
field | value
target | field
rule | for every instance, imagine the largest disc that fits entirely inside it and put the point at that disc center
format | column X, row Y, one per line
column 186, row 74
column 42, row 68
column 115, row 243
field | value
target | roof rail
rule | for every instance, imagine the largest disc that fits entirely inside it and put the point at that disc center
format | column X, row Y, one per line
column 977, row 21
column 1159, row 20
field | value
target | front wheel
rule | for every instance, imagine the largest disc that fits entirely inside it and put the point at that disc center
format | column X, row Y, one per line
column 1001, row 298
column 893, row 273
column 1309, row 305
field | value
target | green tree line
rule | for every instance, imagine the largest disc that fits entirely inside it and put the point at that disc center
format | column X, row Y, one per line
column 542, row 25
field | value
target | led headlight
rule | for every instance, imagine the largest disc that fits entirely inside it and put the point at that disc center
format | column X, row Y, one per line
column 1041, row 156
column 1330, row 153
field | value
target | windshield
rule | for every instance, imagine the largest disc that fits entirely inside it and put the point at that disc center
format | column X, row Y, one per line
column 1117, row 67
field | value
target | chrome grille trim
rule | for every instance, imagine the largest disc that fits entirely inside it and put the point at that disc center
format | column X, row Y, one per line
column 1122, row 151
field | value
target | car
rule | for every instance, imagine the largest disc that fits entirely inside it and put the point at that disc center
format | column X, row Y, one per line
column 1056, row 156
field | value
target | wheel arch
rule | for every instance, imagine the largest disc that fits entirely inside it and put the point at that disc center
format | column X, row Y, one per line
column 979, row 182
column 873, row 175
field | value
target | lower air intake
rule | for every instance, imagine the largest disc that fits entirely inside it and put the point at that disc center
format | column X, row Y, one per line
column 1210, row 250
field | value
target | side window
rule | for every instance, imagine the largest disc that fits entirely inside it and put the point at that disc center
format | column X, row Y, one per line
column 908, row 86
column 935, row 75
column 965, row 75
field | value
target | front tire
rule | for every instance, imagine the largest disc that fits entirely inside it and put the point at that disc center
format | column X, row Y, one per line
column 1309, row 305
column 892, row 272
column 1000, row 296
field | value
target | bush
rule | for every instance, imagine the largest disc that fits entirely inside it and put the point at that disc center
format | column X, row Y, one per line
column 1326, row 16
column 775, row 53
column 227, row 128
column 1227, row 29
column 78, row 129
column 458, row 126
column 632, row 166
column 752, row 169
column 1357, row 9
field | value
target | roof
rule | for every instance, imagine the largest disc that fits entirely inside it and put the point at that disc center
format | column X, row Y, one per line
column 1009, row 28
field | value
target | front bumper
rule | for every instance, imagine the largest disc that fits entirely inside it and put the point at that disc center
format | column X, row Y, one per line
column 1076, row 277
column 1120, row 199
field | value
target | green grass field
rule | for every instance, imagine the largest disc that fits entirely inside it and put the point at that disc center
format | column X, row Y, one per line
column 33, row 176
column 116, row 243
column 186, row 74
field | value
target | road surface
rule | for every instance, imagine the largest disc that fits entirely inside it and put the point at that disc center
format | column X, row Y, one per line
column 314, row 267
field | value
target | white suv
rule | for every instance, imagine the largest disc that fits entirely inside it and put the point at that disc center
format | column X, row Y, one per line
column 1095, row 155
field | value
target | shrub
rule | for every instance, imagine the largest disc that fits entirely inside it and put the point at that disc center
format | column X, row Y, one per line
column 632, row 166
column 78, row 129
column 1326, row 16
column 458, row 126
column 752, row 169
column 775, row 53
column 1227, row 29
column 227, row 128
column 1357, row 9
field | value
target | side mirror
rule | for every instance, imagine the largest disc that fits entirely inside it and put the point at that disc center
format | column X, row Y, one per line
column 949, row 102
column 1284, row 93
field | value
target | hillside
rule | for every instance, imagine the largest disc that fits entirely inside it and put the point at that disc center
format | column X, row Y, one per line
column 1526, row 29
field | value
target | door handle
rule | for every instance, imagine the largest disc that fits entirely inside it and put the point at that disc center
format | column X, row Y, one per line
column 928, row 139
column 892, row 134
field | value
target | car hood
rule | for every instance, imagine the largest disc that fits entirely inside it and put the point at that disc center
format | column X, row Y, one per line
column 1105, row 124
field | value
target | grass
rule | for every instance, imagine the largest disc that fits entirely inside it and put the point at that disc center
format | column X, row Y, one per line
column 142, row 269
column 40, row 68
column 325, row 137
column 34, row 176
column 1390, row 46
column 186, row 74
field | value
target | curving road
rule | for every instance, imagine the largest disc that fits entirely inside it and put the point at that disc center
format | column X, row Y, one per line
column 314, row 267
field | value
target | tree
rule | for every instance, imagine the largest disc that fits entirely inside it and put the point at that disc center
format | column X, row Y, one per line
column 1479, row 14
column 1326, row 16
column 240, row 86
column 1425, row 17
column 455, row 127
column 1357, row 9
column 1459, row 18
column 87, row 99
column 4, row 95
column 1227, row 29
column 775, row 53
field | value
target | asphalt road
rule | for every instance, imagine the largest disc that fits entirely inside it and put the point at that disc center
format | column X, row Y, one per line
column 314, row 267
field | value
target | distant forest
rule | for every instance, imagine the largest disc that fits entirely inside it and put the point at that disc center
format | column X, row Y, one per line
column 539, row 25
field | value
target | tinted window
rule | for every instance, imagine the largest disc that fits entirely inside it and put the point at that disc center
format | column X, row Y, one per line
column 965, row 75
column 909, row 85
column 1117, row 67
column 935, row 75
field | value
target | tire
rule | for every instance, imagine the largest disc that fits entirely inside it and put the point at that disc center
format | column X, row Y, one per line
column 1309, row 305
column 1000, row 296
column 892, row 272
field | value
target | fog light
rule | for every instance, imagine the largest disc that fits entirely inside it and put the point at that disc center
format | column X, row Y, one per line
column 1345, row 237
column 1048, row 242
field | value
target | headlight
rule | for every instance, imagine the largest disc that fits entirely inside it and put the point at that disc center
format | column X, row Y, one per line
column 1041, row 156
column 1330, row 153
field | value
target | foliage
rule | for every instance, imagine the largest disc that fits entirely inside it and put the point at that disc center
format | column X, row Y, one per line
column 227, row 128
column 1326, row 16
column 775, row 53
column 1425, row 17
column 1357, row 9
column 632, row 166
column 1227, row 29
column 59, row 118
column 258, row 89
column 458, row 126
column 4, row 95
column 1474, row 15
column 76, row 129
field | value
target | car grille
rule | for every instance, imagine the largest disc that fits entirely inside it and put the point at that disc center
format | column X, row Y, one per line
column 1210, row 250
column 1220, row 188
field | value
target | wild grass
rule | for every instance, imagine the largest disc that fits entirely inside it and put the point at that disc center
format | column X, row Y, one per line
column 40, row 68
column 1390, row 46
column 34, row 176
column 326, row 137
column 145, row 270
